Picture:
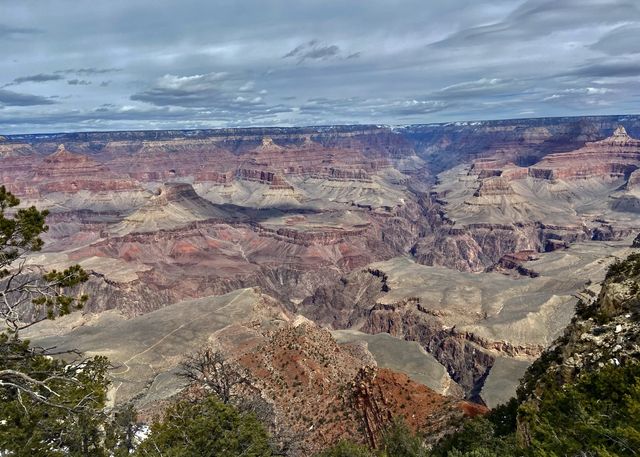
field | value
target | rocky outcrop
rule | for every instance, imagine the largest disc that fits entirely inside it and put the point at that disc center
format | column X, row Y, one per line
column 496, row 207
column 471, row 323
column 64, row 171
column 494, row 186
column 380, row 395
column 175, row 192
column 354, row 303
column 604, row 332
column 466, row 363
column 271, row 178
column 15, row 150
column 308, row 238
column 67, row 172
column 514, row 262
column 322, row 392
column 633, row 183
column 614, row 157
column 479, row 247
column 208, row 249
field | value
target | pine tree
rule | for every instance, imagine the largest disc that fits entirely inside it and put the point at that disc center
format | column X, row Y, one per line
column 47, row 406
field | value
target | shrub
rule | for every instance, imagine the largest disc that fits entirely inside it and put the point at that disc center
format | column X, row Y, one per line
column 346, row 449
column 206, row 428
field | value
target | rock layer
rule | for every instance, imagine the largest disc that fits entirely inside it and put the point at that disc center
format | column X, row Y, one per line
column 318, row 218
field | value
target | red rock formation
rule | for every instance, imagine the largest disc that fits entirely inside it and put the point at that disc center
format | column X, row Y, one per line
column 285, row 256
column 514, row 262
column 271, row 178
column 64, row 171
column 380, row 395
column 513, row 173
column 487, row 163
column 611, row 158
column 324, row 392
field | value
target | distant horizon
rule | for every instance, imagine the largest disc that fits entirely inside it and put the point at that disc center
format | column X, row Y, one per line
column 267, row 127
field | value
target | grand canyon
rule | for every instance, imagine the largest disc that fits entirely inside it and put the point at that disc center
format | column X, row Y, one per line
column 450, row 254
column 320, row 229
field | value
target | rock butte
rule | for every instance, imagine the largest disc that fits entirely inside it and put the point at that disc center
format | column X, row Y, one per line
column 471, row 240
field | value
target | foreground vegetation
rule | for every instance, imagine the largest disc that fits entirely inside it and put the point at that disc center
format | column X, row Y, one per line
column 50, row 403
column 596, row 416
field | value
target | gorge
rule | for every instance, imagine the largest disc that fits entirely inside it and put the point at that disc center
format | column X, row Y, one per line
column 454, row 253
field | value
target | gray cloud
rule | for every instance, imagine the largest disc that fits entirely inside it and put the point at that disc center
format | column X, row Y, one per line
column 39, row 78
column 313, row 50
column 481, row 88
column 370, row 108
column 321, row 52
column 89, row 71
column 620, row 41
column 12, row 33
column 536, row 18
column 214, row 90
column 10, row 98
column 78, row 82
column 613, row 69
column 110, row 116
column 249, row 62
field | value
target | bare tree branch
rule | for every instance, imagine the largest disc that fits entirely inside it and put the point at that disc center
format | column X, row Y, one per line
column 211, row 370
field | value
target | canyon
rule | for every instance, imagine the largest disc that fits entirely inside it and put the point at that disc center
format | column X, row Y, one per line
column 450, row 254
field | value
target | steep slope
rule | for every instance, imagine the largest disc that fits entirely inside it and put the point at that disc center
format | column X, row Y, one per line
column 484, row 231
column 604, row 332
column 318, row 390
column 323, row 392
column 582, row 395
column 496, row 208
column 469, row 322
column 174, row 205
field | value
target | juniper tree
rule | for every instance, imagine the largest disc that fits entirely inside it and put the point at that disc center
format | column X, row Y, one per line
column 48, row 406
column 27, row 295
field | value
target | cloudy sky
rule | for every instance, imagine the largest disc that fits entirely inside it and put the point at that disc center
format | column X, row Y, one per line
column 70, row 65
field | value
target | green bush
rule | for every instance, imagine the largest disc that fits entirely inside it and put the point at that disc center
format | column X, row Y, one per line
column 599, row 413
column 206, row 428
column 346, row 449
column 624, row 269
column 59, row 413
column 399, row 441
column 478, row 437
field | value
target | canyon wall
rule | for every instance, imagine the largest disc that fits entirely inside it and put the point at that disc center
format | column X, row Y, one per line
column 317, row 217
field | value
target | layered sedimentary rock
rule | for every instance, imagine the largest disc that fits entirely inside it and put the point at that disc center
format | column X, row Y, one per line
column 66, row 172
column 498, row 208
column 612, row 158
column 469, row 322
column 233, row 211
column 317, row 390
column 318, row 218
column 603, row 336
column 325, row 392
